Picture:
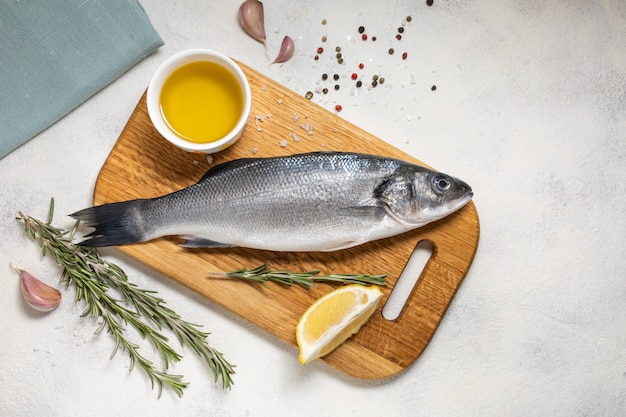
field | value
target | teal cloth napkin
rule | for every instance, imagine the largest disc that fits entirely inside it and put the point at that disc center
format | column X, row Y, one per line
column 55, row 54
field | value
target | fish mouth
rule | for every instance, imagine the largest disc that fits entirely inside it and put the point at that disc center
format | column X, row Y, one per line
column 457, row 204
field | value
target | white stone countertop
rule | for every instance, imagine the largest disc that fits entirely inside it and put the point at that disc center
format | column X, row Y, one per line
column 530, row 109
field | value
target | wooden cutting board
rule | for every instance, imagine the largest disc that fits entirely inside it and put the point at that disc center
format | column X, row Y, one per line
column 142, row 164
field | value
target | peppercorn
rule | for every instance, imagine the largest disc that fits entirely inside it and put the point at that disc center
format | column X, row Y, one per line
column 361, row 66
column 374, row 83
column 429, row 2
column 316, row 57
column 340, row 61
column 338, row 55
column 320, row 50
column 336, row 77
column 323, row 21
column 364, row 37
column 391, row 51
column 433, row 88
column 375, row 77
column 324, row 38
column 337, row 49
column 354, row 76
column 373, row 38
column 325, row 90
column 359, row 84
column 381, row 80
column 404, row 55
column 308, row 95
column 398, row 36
column 336, row 86
column 324, row 77
column 338, row 107
column 400, row 29
column 361, row 29
column 408, row 18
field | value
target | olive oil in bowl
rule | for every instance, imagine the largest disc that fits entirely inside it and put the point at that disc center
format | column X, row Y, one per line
column 201, row 101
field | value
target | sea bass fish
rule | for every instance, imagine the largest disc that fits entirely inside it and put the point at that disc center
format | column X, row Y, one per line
column 320, row 201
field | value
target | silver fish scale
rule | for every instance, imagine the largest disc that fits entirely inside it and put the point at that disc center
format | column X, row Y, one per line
column 319, row 201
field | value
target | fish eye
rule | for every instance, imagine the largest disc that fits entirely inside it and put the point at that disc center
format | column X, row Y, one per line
column 442, row 184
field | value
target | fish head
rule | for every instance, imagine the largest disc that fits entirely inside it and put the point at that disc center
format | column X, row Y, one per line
column 442, row 194
column 419, row 196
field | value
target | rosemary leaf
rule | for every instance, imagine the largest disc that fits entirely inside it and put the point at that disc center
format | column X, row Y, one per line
column 93, row 278
column 262, row 274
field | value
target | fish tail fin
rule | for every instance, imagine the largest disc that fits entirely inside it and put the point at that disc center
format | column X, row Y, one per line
column 114, row 223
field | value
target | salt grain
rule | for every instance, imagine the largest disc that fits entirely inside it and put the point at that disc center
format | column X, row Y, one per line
column 283, row 143
column 209, row 159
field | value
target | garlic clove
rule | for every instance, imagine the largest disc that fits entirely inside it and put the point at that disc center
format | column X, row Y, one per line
column 287, row 48
column 251, row 19
column 38, row 294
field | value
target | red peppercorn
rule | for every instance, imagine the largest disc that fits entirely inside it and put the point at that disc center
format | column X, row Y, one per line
column 354, row 76
column 338, row 107
column 364, row 37
column 361, row 66
column 320, row 50
column 404, row 55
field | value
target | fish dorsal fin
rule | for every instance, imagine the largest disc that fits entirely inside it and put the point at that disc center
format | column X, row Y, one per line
column 228, row 166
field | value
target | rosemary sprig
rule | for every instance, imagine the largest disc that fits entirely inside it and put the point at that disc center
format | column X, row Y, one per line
column 262, row 274
column 93, row 277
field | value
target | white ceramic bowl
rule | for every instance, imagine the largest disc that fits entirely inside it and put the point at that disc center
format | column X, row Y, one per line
column 172, row 64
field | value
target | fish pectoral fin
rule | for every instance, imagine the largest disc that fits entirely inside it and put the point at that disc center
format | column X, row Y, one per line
column 198, row 242
column 375, row 213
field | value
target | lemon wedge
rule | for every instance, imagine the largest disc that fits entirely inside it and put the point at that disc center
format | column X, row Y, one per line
column 333, row 318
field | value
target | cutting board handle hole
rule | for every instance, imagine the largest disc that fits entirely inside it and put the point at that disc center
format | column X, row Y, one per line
column 408, row 279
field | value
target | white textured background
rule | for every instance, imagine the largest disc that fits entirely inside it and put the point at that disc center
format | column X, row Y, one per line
column 530, row 109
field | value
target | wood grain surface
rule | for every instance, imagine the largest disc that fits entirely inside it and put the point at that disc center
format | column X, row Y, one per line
column 142, row 164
